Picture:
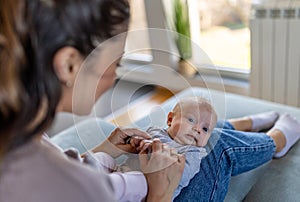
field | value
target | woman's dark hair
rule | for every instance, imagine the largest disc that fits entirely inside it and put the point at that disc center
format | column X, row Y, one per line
column 31, row 32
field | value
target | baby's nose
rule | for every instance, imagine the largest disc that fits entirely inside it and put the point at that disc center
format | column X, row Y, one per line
column 197, row 129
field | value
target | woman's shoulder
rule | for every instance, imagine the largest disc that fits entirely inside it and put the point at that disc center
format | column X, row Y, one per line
column 43, row 172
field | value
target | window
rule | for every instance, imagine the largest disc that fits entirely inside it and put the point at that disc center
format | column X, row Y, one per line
column 220, row 27
column 224, row 32
column 138, row 45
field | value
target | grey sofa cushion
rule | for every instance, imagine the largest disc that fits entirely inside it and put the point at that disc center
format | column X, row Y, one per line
column 84, row 135
column 275, row 181
column 281, row 182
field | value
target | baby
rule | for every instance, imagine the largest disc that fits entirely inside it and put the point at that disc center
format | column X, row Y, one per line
column 190, row 124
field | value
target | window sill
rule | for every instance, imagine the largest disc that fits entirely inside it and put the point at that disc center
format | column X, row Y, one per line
column 150, row 74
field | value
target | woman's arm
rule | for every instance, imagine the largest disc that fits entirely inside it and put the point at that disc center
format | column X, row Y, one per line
column 162, row 169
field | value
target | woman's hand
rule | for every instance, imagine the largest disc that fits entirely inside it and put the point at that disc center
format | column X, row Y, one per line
column 163, row 169
column 117, row 143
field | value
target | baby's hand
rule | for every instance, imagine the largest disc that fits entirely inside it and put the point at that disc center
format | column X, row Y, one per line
column 135, row 142
column 145, row 145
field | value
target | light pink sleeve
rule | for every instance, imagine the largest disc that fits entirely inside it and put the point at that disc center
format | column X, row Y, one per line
column 129, row 186
column 104, row 161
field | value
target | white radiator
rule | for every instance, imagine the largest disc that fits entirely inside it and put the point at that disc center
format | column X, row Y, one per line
column 275, row 53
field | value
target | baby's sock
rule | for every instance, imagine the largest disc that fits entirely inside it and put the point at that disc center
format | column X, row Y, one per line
column 290, row 128
column 263, row 120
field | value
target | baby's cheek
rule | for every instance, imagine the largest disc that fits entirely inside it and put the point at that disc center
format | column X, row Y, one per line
column 179, row 128
column 205, row 140
column 174, row 130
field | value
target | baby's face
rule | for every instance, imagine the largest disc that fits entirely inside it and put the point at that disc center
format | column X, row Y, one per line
column 191, row 124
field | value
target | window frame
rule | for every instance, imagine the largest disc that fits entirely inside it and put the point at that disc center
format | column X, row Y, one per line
column 156, row 21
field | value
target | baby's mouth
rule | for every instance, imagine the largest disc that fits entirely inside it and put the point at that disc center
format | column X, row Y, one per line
column 192, row 137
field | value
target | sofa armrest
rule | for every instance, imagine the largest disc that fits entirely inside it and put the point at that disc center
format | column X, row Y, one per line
column 84, row 135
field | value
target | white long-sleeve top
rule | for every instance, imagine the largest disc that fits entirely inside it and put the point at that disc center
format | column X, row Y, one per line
column 39, row 171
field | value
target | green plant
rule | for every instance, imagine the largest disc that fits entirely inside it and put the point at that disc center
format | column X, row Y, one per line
column 182, row 27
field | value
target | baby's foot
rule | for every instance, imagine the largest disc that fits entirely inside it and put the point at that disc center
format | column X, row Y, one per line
column 263, row 121
column 290, row 128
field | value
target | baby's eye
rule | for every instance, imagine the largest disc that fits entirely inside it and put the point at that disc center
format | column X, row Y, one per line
column 191, row 120
column 205, row 129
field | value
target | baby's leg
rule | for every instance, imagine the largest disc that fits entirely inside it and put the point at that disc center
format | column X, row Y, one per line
column 285, row 133
column 256, row 122
column 230, row 152
column 241, row 124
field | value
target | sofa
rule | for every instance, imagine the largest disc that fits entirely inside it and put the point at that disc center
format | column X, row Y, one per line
column 277, row 180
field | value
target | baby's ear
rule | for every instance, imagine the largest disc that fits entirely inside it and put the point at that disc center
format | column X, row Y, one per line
column 170, row 118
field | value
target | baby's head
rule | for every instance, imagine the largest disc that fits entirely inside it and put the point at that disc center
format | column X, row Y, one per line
column 192, row 121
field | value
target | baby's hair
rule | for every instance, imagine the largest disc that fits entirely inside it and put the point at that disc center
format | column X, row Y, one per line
column 196, row 99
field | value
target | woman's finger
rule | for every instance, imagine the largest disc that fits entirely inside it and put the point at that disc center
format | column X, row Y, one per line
column 157, row 146
column 146, row 147
column 141, row 145
column 165, row 148
column 173, row 152
column 144, row 159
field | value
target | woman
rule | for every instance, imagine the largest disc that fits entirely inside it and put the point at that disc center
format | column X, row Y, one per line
column 42, row 48
column 43, row 44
